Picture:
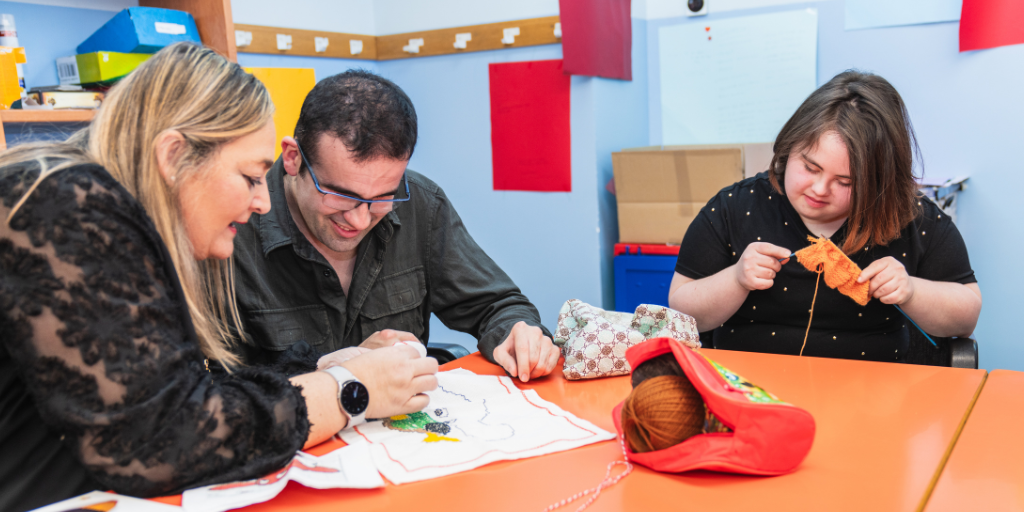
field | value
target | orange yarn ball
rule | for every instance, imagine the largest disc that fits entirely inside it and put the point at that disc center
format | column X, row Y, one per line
column 662, row 412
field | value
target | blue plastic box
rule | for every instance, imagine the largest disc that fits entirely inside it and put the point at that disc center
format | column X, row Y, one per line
column 142, row 30
column 641, row 279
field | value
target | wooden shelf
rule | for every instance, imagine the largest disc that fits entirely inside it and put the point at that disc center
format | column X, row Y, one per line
column 46, row 116
column 532, row 32
column 264, row 40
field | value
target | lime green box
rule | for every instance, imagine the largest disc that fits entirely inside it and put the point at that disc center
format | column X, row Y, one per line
column 105, row 68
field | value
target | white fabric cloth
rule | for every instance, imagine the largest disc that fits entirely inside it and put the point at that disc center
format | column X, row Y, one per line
column 345, row 468
column 472, row 420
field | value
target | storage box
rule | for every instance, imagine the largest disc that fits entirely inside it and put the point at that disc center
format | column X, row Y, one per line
column 142, row 30
column 660, row 191
column 642, row 280
column 105, row 68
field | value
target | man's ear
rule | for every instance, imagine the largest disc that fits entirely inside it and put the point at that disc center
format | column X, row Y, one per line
column 168, row 147
column 290, row 156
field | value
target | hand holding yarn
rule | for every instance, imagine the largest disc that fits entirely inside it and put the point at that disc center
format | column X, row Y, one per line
column 889, row 281
column 759, row 264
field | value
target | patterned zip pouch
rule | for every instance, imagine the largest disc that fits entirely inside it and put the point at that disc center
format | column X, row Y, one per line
column 594, row 341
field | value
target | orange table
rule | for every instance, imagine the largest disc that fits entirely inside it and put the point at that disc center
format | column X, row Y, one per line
column 985, row 471
column 882, row 432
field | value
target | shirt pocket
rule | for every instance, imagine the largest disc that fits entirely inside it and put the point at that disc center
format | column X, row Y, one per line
column 395, row 303
column 278, row 329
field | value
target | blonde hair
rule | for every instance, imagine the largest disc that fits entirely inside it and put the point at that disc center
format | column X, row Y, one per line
column 208, row 100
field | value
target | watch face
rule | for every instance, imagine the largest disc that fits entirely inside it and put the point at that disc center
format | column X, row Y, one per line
column 355, row 398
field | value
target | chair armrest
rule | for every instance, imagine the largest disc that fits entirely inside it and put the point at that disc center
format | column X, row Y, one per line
column 446, row 352
column 963, row 353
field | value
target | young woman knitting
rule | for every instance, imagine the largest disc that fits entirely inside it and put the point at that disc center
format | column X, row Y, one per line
column 843, row 169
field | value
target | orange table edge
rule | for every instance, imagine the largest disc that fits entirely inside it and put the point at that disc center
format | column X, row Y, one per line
column 985, row 470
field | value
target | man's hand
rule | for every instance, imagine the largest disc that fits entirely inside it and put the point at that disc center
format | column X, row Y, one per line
column 759, row 264
column 527, row 353
column 890, row 282
column 387, row 338
column 396, row 378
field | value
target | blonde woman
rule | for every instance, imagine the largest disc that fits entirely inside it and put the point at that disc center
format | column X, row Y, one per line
column 115, row 290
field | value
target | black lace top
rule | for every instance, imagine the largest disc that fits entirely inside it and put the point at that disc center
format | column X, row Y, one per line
column 102, row 382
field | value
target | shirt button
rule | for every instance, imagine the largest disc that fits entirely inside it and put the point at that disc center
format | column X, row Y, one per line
column 327, row 273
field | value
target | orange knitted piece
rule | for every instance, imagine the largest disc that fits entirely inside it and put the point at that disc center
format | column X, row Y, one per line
column 839, row 270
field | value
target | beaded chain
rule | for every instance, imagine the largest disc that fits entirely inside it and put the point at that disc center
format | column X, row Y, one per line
column 606, row 483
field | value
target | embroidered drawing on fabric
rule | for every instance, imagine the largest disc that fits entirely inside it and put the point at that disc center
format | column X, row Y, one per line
column 421, row 422
column 471, row 420
column 479, row 428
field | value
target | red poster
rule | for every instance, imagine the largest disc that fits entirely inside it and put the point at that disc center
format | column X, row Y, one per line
column 597, row 38
column 991, row 23
column 530, row 138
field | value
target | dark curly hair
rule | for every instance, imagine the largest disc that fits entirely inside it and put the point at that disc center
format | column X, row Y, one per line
column 372, row 116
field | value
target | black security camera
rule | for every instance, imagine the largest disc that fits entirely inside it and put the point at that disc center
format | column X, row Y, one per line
column 695, row 5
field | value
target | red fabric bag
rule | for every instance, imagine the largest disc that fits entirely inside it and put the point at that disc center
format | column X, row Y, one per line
column 769, row 437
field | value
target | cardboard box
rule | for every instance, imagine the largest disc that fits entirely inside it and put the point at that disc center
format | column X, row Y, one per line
column 106, row 68
column 659, row 191
column 142, row 30
column 756, row 156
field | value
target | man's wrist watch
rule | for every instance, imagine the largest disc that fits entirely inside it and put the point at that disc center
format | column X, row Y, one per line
column 353, row 398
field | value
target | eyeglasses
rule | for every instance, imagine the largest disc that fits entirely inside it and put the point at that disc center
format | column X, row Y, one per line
column 344, row 203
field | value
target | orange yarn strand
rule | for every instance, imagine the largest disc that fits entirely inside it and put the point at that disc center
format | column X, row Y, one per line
column 813, row 299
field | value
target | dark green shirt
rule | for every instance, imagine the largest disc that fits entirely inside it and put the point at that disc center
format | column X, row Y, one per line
column 418, row 260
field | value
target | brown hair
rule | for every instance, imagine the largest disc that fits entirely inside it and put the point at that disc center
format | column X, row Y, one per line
column 867, row 112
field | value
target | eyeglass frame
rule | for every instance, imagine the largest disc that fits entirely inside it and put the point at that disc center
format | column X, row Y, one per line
column 359, row 201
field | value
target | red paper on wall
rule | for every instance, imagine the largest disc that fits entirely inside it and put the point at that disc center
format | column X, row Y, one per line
column 597, row 38
column 991, row 23
column 530, row 138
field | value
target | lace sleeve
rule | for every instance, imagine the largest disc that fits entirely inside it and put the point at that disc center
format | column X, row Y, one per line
column 94, row 317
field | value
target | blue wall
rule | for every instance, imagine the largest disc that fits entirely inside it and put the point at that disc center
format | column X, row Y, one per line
column 968, row 110
column 49, row 32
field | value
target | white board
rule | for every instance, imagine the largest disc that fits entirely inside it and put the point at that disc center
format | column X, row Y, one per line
column 735, row 80
column 890, row 13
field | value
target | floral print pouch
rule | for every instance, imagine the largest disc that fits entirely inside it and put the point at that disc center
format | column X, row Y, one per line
column 594, row 341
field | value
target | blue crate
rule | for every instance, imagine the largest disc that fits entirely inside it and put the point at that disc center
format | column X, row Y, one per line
column 142, row 30
column 642, row 280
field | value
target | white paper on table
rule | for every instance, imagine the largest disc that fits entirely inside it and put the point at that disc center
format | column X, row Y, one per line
column 345, row 468
column 890, row 13
column 472, row 420
column 124, row 503
column 735, row 80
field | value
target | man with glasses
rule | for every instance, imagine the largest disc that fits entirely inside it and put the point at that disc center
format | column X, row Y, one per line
column 358, row 251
